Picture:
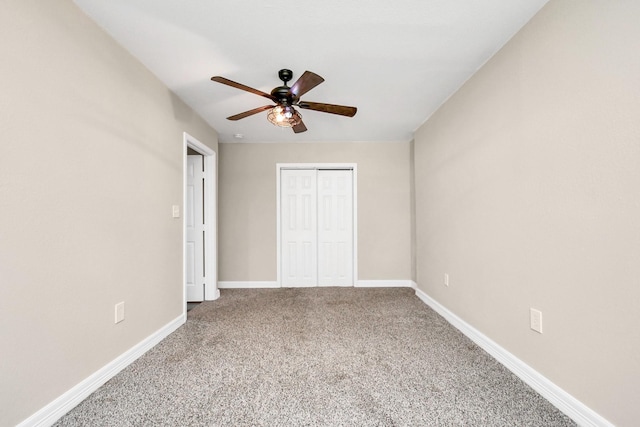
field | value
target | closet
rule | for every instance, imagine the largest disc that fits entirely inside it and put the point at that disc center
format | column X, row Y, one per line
column 316, row 226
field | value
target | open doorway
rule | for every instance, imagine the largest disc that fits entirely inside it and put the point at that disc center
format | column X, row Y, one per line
column 199, row 221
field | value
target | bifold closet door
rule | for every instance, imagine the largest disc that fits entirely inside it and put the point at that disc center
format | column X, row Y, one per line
column 316, row 216
column 335, row 228
column 299, row 242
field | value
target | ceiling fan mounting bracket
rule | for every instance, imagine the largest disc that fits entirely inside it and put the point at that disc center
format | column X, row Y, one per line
column 285, row 75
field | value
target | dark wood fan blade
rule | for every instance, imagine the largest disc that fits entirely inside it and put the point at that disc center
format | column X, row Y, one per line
column 342, row 110
column 305, row 83
column 231, row 83
column 300, row 127
column 250, row 112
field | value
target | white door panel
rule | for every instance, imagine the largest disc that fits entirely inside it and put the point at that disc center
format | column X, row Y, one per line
column 316, row 227
column 335, row 228
column 299, row 237
column 194, row 218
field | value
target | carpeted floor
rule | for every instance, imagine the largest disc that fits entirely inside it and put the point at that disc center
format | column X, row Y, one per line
column 315, row 357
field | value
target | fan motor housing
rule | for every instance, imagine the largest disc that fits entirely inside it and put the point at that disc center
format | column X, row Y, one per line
column 282, row 94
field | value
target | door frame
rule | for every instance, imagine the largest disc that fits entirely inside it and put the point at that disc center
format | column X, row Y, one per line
column 211, row 291
column 343, row 166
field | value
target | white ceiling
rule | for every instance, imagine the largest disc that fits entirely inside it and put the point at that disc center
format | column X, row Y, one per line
column 396, row 61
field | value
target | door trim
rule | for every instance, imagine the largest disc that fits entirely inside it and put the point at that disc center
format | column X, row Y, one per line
column 344, row 166
column 211, row 291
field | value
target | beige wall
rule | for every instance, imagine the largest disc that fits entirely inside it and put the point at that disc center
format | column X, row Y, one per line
column 90, row 164
column 247, row 217
column 528, row 195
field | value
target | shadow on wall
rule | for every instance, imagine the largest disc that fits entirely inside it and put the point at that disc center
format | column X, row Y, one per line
column 181, row 112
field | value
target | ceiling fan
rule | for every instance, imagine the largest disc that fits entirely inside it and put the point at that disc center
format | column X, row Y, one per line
column 284, row 114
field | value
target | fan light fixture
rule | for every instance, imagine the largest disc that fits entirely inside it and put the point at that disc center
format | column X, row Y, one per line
column 284, row 116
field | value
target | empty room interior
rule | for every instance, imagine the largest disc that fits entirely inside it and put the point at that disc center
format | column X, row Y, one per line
column 492, row 171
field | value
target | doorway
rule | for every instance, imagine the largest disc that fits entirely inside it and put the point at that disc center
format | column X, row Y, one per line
column 199, row 221
column 316, row 225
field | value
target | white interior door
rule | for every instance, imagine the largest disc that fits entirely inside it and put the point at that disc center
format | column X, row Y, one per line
column 299, row 230
column 335, row 228
column 195, row 229
column 316, row 214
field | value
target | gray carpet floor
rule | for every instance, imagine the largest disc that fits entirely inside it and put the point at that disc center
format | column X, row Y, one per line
column 315, row 357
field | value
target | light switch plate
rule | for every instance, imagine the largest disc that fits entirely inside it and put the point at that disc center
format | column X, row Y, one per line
column 119, row 312
column 176, row 211
column 535, row 317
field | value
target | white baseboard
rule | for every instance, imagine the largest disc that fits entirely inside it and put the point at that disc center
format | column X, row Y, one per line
column 384, row 284
column 562, row 400
column 211, row 292
column 358, row 284
column 247, row 284
column 51, row 413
